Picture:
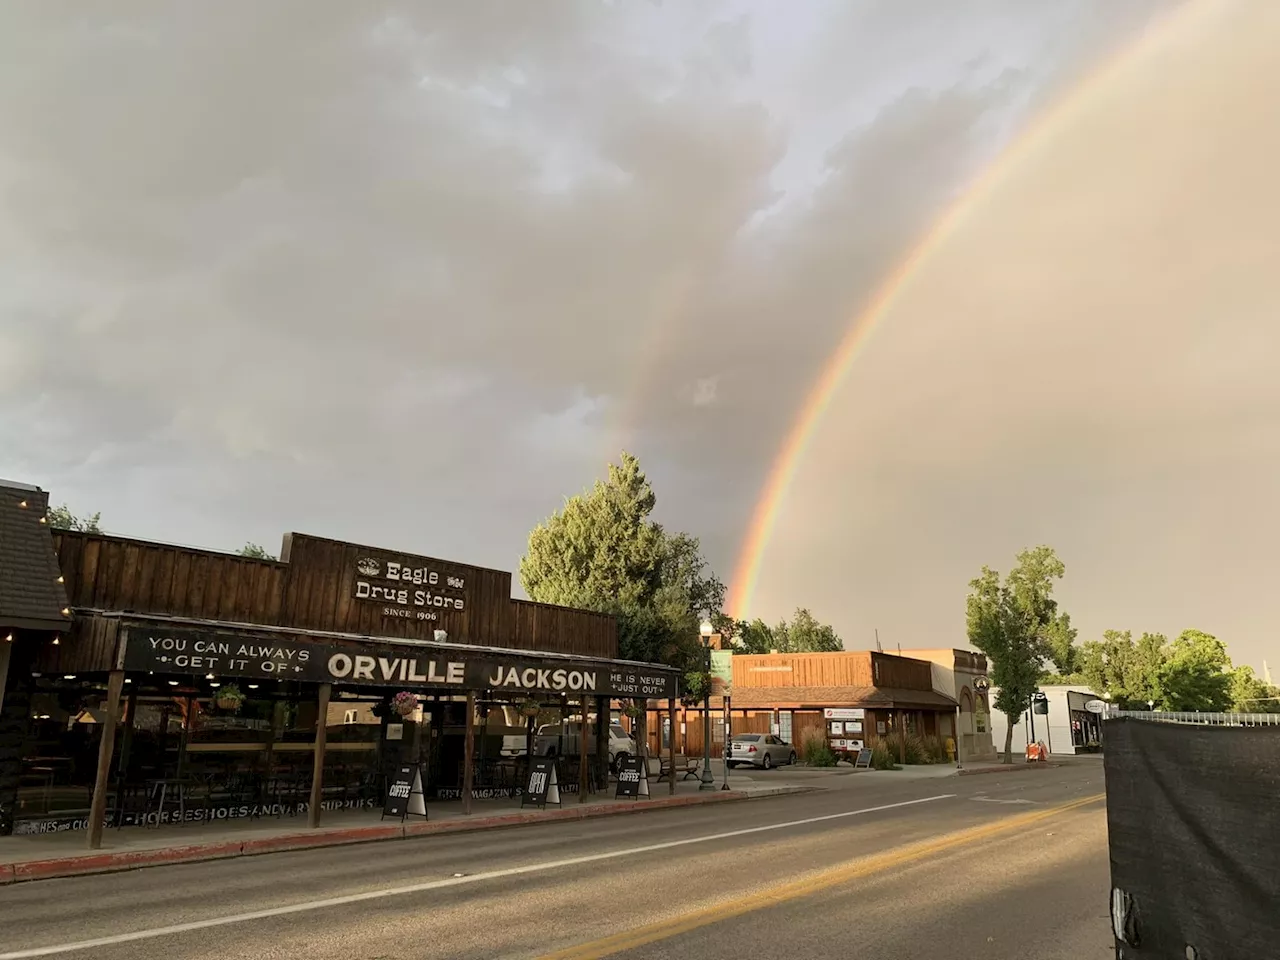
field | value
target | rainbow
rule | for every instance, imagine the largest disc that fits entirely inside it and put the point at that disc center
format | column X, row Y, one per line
column 782, row 473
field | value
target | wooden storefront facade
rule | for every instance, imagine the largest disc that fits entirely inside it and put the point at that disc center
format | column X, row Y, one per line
column 787, row 694
column 278, row 679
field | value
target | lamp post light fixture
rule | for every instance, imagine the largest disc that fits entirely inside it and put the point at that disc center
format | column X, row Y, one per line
column 707, row 779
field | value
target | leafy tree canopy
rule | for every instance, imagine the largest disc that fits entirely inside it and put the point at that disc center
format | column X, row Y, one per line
column 255, row 551
column 1192, row 673
column 1013, row 623
column 602, row 551
column 61, row 518
column 804, row 634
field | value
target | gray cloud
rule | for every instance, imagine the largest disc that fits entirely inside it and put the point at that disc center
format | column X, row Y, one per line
column 410, row 272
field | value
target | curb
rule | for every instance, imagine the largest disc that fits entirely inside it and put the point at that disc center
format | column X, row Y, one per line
column 227, row 849
column 1008, row 768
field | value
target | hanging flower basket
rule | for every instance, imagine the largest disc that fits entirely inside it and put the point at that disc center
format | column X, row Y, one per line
column 404, row 703
column 633, row 710
column 229, row 698
column 530, row 708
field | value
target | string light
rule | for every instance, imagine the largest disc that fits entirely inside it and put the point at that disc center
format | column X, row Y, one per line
column 56, row 641
column 66, row 611
column 44, row 520
column 253, row 686
column 60, row 579
column 173, row 683
column 69, row 676
column 127, row 680
column 9, row 638
column 23, row 504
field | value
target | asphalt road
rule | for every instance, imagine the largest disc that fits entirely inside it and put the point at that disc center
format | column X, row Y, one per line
column 991, row 866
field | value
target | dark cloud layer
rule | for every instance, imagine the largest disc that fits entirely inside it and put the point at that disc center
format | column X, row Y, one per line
column 411, row 272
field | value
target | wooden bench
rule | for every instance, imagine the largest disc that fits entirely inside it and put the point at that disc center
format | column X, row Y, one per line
column 688, row 765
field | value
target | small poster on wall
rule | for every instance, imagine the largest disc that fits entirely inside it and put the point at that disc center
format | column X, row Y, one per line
column 837, row 728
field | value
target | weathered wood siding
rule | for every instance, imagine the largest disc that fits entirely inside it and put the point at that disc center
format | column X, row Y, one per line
column 89, row 646
column 112, row 573
column 320, row 594
column 575, row 631
column 850, row 668
column 314, row 587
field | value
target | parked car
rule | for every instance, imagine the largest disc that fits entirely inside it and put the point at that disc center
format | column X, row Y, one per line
column 557, row 738
column 760, row 750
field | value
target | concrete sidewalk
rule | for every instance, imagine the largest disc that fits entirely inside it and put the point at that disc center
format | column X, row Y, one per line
column 63, row 854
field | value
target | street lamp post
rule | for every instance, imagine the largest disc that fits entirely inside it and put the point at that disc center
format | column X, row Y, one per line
column 708, row 780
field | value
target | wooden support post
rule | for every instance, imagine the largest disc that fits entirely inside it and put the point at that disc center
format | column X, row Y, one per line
column 469, row 753
column 671, row 746
column 604, row 719
column 317, row 761
column 902, row 737
column 583, row 744
column 106, row 747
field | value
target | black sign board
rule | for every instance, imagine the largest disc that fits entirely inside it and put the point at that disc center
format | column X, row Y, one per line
column 633, row 779
column 405, row 797
column 543, row 785
column 160, row 649
column 864, row 759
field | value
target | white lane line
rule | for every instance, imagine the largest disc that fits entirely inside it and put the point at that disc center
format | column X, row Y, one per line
column 435, row 884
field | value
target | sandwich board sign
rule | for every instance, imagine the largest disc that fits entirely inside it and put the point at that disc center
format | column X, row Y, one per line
column 405, row 797
column 543, row 785
column 633, row 779
column 864, row 759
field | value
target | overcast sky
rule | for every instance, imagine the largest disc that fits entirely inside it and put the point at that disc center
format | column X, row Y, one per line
column 410, row 273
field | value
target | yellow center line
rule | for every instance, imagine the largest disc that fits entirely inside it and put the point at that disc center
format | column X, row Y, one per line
column 674, row 926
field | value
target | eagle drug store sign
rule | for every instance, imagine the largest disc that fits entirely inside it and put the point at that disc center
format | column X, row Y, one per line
column 410, row 588
column 197, row 652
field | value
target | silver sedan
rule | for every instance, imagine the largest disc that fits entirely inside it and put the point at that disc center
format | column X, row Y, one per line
column 760, row 750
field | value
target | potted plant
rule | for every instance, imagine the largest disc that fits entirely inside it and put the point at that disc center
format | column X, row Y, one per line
column 404, row 703
column 529, row 709
column 229, row 698
column 633, row 709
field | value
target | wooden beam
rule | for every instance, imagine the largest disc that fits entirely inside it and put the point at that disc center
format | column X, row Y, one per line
column 604, row 719
column 106, row 747
column 671, row 746
column 317, row 761
column 583, row 743
column 469, row 753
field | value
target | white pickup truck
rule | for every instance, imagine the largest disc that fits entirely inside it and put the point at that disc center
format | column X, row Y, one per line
column 555, row 739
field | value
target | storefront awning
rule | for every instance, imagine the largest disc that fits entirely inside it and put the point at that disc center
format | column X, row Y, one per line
column 233, row 650
column 874, row 698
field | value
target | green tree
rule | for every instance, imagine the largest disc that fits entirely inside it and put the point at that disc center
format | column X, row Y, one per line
column 61, row 518
column 1249, row 694
column 255, row 552
column 804, row 634
column 1010, row 622
column 602, row 551
column 1129, row 673
column 755, row 637
column 1060, row 638
column 1196, row 674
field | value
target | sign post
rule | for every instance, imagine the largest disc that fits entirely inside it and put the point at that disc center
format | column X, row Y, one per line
column 633, row 779
column 405, row 796
column 543, row 786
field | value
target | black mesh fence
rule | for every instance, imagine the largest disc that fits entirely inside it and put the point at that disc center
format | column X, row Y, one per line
column 1193, row 815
